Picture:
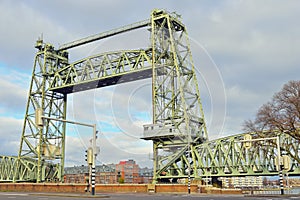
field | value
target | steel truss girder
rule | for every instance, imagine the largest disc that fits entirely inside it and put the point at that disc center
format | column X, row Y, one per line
column 103, row 70
column 14, row 169
column 228, row 157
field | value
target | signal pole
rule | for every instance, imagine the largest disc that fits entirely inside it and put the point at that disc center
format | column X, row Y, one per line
column 92, row 151
column 93, row 176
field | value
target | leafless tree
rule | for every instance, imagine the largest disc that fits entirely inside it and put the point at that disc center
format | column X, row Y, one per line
column 282, row 113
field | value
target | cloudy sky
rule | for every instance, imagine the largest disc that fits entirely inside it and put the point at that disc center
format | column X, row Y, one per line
column 243, row 50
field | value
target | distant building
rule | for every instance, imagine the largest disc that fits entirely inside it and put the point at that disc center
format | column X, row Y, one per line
column 128, row 172
column 76, row 174
column 124, row 172
column 105, row 174
column 242, row 182
column 146, row 174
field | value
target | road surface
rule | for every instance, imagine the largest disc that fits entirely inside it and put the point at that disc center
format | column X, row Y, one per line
column 114, row 196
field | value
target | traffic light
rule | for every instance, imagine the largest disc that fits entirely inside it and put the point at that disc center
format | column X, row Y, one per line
column 284, row 162
column 89, row 155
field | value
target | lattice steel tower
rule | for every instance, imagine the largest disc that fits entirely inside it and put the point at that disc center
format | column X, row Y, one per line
column 44, row 146
column 178, row 118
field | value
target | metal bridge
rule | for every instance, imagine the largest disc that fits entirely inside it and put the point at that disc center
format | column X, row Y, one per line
column 181, row 146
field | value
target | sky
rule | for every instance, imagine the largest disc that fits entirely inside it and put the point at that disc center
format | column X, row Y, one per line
column 243, row 51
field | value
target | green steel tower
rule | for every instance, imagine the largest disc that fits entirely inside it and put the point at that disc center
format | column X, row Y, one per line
column 178, row 118
column 44, row 145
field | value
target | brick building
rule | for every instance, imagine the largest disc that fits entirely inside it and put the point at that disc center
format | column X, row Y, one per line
column 105, row 174
column 128, row 172
column 124, row 172
column 76, row 174
column 146, row 175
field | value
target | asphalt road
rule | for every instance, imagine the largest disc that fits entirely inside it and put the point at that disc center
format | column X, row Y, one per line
column 46, row 196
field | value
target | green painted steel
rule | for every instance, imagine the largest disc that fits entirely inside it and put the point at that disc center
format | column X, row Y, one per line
column 15, row 169
column 45, row 144
column 181, row 147
column 25, row 169
column 106, row 34
column 103, row 70
column 176, row 98
column 177, row 108
column 229, row 157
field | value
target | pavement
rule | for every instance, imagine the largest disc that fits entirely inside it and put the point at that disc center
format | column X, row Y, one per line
column 293, row 196
column 74, row 195
column 166, row 196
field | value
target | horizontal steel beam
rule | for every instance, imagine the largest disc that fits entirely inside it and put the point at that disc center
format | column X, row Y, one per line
column 106, row 34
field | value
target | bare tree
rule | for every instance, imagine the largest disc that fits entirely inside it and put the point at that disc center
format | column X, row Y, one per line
column 282, row 113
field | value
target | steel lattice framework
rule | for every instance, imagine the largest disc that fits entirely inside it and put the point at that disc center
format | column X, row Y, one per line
column 180, row 142
column 46, row 144
column 228, row 157
column 103, row 70
column 178, row 116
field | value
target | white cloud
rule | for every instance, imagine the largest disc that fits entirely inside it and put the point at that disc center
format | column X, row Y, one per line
column 243, row 33
column 241, row 102
column 21, row 25
column 237, row 95
column 10, row 134
column 13, row 94
column 256, row 51
column 117, row 113
column 113, row 148
column 118, row 147
column 75, row 150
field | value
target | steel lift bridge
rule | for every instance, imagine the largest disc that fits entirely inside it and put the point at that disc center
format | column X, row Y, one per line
column 180, row 142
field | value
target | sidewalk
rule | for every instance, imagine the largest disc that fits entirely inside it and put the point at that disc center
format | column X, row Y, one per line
column 272, row 195
column 70, row 195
